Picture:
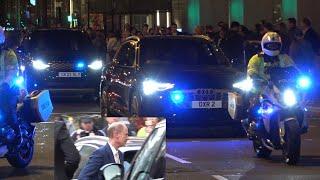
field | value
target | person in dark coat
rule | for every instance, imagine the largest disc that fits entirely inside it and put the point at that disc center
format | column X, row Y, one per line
column 311, row 35
column 302, row 53
column 118, row 135
column 292, row 28
column 66, row 156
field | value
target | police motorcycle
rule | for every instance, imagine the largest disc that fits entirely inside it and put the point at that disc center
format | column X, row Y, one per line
column 279, row 113
column 17, row 147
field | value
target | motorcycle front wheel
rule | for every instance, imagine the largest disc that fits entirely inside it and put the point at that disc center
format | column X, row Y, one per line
column 260, row 150
column 291, row 147
column 22, row 155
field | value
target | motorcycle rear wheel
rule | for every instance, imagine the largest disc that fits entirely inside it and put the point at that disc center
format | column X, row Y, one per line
column 291, row 148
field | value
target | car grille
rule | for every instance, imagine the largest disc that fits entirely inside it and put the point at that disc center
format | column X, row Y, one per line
column 58, row 66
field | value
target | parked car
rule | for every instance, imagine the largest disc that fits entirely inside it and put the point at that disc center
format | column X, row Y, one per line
column 185, row 79
column 61, row 60
column 148, row 163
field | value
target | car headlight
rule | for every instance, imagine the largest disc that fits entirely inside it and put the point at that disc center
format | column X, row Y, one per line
column 39, row 65
column 151, row 86
column 289, row 97
column 245, row 85
column 96, row 65
column 304, row 82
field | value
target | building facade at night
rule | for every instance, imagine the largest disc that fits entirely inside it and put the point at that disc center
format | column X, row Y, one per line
column 113, row 14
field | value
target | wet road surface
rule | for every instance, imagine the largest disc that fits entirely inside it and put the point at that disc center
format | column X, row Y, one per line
column 234, row 159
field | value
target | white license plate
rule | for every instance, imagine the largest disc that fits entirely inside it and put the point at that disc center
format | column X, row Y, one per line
column 69, row 74
column 206, row 104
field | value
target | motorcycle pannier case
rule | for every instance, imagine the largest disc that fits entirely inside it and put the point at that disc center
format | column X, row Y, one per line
column 38, row 106
column 235, row 106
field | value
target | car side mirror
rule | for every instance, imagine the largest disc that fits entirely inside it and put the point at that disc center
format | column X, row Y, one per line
column 112, row 171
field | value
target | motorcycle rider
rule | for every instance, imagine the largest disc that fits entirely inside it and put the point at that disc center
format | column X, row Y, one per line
column 8, row 91
column 258, row 70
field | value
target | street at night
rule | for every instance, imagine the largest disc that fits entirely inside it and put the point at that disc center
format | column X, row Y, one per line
column 234, row 159
column 159, row 89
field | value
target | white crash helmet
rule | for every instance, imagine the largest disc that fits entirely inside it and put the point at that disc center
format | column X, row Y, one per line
column 2, row 36
column 271, row 44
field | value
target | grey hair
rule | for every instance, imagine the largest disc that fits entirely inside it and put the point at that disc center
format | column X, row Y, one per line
column 115, row 128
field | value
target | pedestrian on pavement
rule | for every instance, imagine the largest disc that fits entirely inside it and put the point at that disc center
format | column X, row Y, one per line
column 87, row 128
column 174, row 29
column 113, row 44
column 66, row 156
column 292, row 28
column 311, row 35
column 118, row 135
column 145, row 29
column 286, row 41
column 302, row 53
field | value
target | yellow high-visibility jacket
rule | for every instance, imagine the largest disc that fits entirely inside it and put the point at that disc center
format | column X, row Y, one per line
column 257, row 65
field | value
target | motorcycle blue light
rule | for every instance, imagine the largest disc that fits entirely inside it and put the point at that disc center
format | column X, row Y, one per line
column 265, row 111
column 304, row 82
column 80, row 65
column 177, row 97
column 19, row 81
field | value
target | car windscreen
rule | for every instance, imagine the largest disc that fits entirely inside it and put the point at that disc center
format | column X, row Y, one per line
column 179, row 52
column 59, row 41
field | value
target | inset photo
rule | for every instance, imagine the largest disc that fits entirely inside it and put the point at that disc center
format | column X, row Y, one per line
column 110, row 147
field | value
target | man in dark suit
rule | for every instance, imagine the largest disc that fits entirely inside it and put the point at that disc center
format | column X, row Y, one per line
column 118, row 135
column 66, row 156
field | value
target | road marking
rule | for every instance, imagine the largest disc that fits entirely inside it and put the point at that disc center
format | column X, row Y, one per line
column 218, row 177
column 177, row 159
column 308, row 139
column 312, row 126
column 195, row 141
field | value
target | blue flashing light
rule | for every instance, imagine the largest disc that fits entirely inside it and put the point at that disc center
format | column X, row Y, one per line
column 265, row 111
column 19, row 81
column 177, row 97
column 304, row 82
column 80, row 65
column 35, row 85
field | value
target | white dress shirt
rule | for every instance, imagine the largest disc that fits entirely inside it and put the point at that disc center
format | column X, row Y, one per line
column 115, row 154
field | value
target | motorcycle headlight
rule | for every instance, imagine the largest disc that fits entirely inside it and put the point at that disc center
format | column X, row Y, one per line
column 95, row 65
column 39, row 65
column 245, row 85
column 289, row 97
column 304, row 82
column 151, row 86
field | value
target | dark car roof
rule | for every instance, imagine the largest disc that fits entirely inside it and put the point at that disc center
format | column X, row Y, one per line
column 170, row 37
column 58, row 31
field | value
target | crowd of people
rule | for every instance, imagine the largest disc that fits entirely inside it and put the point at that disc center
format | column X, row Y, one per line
column 299, row 40
column 66, row 151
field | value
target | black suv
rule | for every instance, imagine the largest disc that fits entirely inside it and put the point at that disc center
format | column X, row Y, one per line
column 63, row 61
column 186, row 79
